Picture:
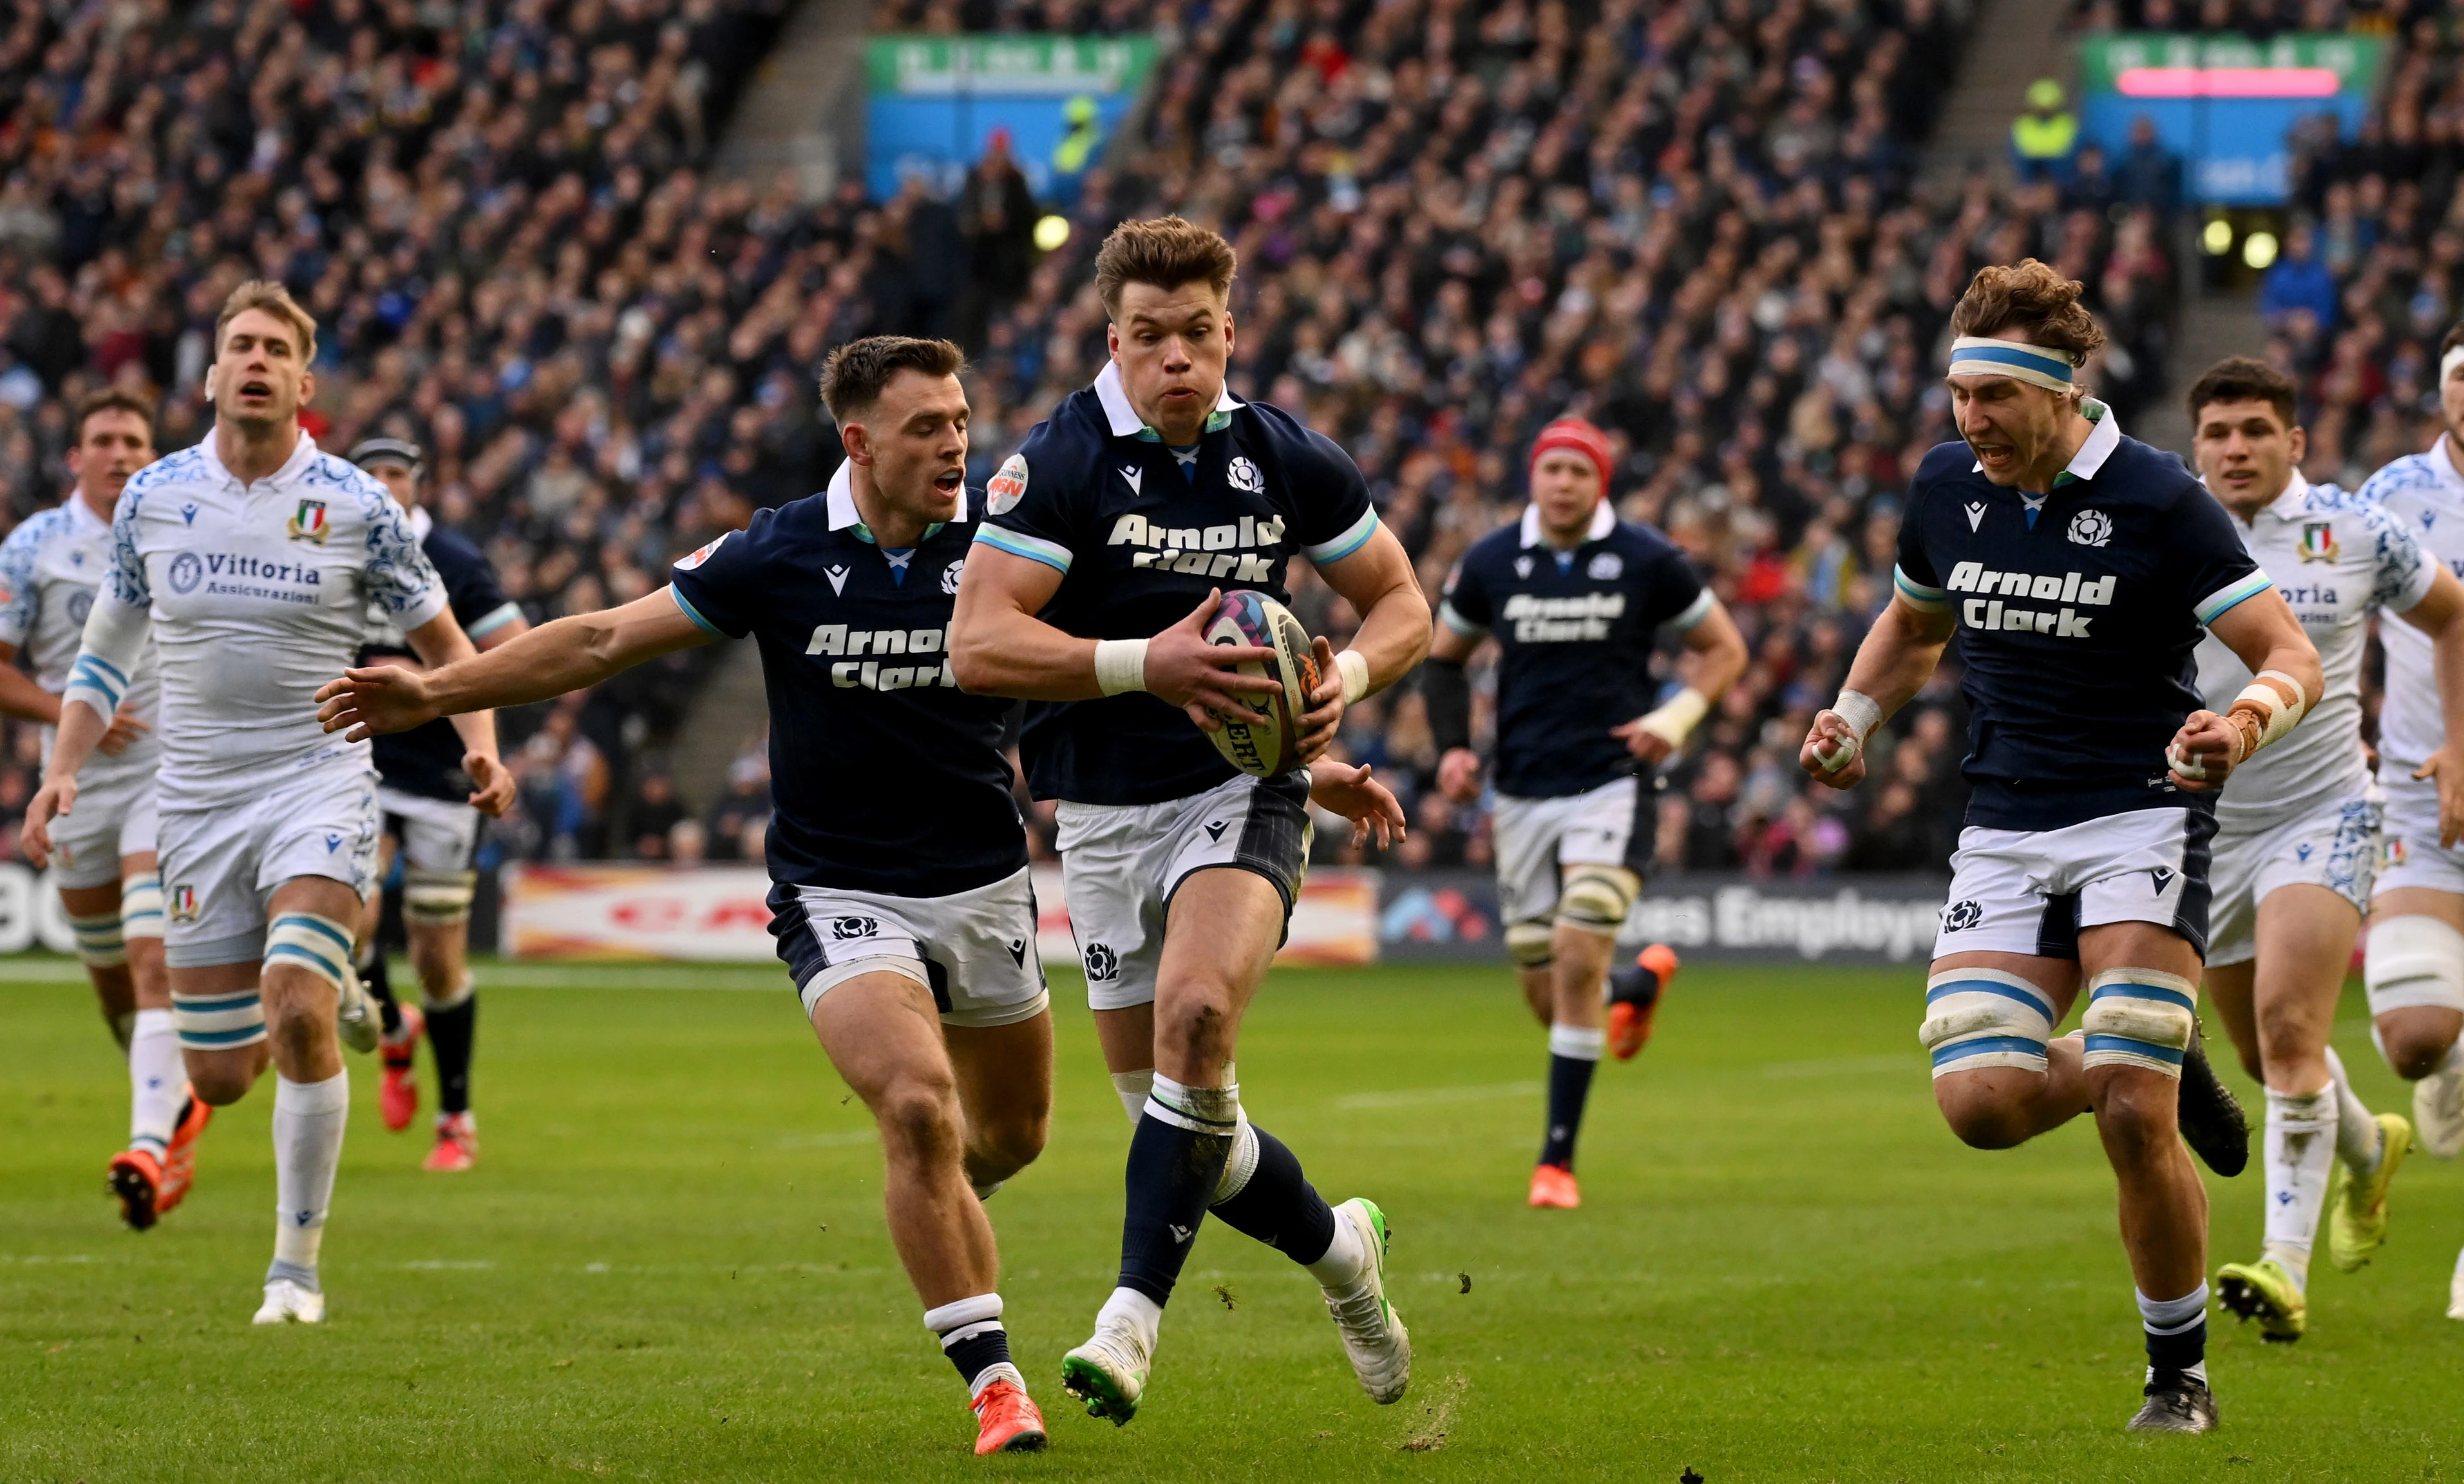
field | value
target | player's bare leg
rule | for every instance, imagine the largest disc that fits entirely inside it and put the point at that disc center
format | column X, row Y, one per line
column 1578, row 972
column 1004, row 1077
column 1194, row 1151
column 2000, row 1107
column 2417, row 984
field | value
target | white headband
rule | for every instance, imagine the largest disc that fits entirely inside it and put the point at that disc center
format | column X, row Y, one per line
column 1977, row 355
column 2447, row 363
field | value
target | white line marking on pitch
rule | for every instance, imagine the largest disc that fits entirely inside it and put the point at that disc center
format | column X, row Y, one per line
column 1414, row 1096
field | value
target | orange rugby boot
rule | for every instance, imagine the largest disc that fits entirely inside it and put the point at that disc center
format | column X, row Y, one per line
column 180, row 1161
column 1630, row 1019
column 136, row 1178
column 1006, row 1421
column 1552, row 1187
column 398, row 1095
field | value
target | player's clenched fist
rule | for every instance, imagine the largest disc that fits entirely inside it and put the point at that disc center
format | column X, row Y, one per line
column 1834, row 754
column 1201, row 678
column 2203, row 753
column 53, row 800
column 381, row 698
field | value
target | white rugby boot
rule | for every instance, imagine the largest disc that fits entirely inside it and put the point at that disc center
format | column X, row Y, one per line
column 1374, row 1337
column 356, row 1018
column 287, row 1302
column 2438, row 1111
column 2455, row 1291
column 1108, row 1373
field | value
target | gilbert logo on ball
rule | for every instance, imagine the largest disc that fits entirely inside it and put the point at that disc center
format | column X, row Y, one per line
column 1007, row 486
column 1261, row 737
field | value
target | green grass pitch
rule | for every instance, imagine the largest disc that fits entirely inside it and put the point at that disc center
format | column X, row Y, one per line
column 671, row 1265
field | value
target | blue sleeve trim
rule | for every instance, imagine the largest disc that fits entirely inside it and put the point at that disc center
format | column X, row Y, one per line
column 1344, row 545
column 2213, row 606
column 494, row 619
column 1051, row 554
column 1459, row 624
column 694, row 613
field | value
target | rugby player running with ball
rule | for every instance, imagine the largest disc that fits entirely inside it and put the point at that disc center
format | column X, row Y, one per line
column 1107, row 544
column 2297, row 831
column 2080, row 569
column 1574, row 599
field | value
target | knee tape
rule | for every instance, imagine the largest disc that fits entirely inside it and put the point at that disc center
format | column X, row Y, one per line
column 439, row 897
column 1983, row 1017
column 140, row 906
column 2139, row 1017
column 1528, row 944
column 320, row 945
column 100, row 944
column 2415, row 961
column 1596, row 898
column 218, row 1022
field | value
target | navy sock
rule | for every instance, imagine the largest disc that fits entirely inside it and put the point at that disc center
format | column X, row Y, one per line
column 372, row 974
column 1574, row 1051
column 2177, row 1334
column 1176, row 1160
column 984, row 1346
column 1633, row 985
column 1277, row 1205
column 450, row 1031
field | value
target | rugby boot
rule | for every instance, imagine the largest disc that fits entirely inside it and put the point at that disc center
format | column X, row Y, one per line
column 180, row 1161
column 457, row 1143
column 1006, row 1421
column 398, row 1095
column 2211, row 1120
column 2455, row 1290
column 1109, row 1373
column 2176, row 1404
column 287, row 1302
column 2265, row 1292
column 136, row 1178
column 357, row 1018
column 1373, row 1333
column 1553, row 1187
column 1629, row 1015
column 2357, row 1205
column 2438, row 1111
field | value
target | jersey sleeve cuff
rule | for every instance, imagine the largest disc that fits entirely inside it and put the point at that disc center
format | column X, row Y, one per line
column 1461, row 626
column 1695, row 612
column 2213, row 607
column 1052, row 553
column 424, row 609
column 1353, row 538
column 1918, row 595
column 493, row 620
column 2424, row 578
column 97, row 683
column 685, row 606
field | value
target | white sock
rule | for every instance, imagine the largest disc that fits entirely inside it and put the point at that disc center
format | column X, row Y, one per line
column 2301, row 1150
column 1347, row 1258
column 156, row 1082
column 2359, row 1139
column 308, row 1118
column 1133, row 1310
column 1132, row 1088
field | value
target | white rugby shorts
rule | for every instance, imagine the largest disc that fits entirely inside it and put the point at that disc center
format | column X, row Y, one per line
column 2335, row 847
column 112, row 819
column 2031, row 891
column 436, row 834
column 1535, row 837
column 974, row 949
column 2410, row 854
column 221, row 861
column 1120, row 865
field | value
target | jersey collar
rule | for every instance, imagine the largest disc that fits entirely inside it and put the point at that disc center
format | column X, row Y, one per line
column 841, row 500
column 2295, row 502
column 1603, row 521
column 1125, row 419
column 2104, row 436
column 81, row 514
column 301, row 453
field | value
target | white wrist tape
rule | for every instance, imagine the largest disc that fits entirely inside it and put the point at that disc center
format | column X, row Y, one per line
column 2277, row 716
column 1673, row 722
column 1120, row 666
column 1862, row 712
column 1353, row 666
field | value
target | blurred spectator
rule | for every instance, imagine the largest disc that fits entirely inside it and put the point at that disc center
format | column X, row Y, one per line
column 2148, row 174
column 653, row 816
column 734, row 828
column 2045, row 134
column 2297, row 281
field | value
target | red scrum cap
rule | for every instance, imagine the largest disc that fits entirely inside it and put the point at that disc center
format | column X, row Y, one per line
column 1575, row 436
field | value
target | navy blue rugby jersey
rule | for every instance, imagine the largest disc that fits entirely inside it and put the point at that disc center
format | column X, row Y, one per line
column 2078, row 612
column 1139, row 532
column 1575, row 633
column 427, row 760
column 888, row 777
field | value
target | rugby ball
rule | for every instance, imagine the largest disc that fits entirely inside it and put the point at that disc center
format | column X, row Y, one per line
column 1263, row 736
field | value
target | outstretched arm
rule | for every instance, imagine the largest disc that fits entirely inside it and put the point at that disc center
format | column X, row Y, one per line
column 1445, row 693
column 565, row 655
column 440, row 642
column 1893, row 663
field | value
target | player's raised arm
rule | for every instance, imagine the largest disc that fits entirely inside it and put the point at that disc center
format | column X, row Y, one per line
column 2265, row 636
column 549, row 660
column 1893, row 663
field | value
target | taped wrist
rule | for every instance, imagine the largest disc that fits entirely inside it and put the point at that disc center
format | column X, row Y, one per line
column 1863, row 714
column 1673, row 722
column 1446, row 690
column 1353, row 666
column 2270, row 711
column 1120, row 666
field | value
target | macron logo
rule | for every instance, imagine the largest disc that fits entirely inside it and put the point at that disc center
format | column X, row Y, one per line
column 838, row 577
column 1182, row 1233
column 1975, row 516
column 1137, row 478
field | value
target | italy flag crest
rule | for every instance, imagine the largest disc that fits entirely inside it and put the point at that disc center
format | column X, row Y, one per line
column 308, row 522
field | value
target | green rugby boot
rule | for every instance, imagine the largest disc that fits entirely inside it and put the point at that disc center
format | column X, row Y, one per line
column 2357, row 1206
column 2265, row 1292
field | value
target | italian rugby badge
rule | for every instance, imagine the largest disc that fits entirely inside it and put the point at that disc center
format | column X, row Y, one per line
column 2318, row 541
column 1007, row 487
column 308, row 522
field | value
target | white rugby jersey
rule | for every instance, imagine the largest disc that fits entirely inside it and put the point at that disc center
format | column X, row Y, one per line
column 49, row 569
column 2424, row 494
column 257, row 595
column 2335, row 557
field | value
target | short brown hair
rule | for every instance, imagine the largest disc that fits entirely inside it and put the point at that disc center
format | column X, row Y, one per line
column 2243, row 378
column 1166, row 251
column 2033, row 299
column 113, row 399
column 855, row 375
column 276, row 300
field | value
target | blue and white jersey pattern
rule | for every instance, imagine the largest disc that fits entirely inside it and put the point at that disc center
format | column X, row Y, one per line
column 2424, row 494
column 257, row 595
column 51, row 568
column 2337, row 558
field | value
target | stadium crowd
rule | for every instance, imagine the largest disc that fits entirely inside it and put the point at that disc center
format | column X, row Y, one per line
column 1699, row 224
